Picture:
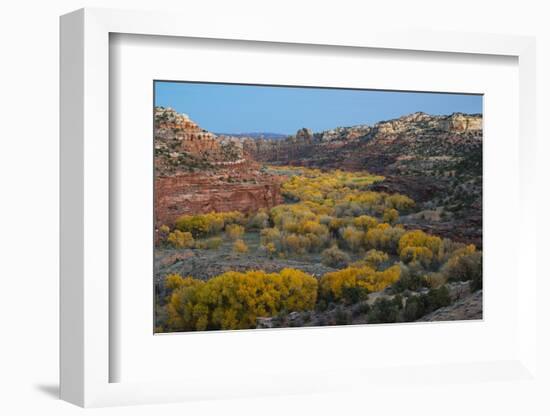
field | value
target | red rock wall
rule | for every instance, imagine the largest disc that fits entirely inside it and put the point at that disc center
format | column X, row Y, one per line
column 201, row 193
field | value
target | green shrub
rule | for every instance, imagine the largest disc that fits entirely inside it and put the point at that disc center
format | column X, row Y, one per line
column 342, row 317
column 361, row 309
column 383, row 311
column 412, row 278
column 234, row 231
column 209, row 244
column 464, row 267
column 354, row 294
column 418, row 306
column 476, row 283
column 415, row 308
column 438, row 298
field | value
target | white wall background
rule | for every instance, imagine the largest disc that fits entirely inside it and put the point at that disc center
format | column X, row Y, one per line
column 29, row 207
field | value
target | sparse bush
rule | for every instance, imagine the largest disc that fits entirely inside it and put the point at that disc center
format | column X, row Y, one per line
column 259, row 221
column 435, row 280
column 239, row 246
column 476, row 283
column 354, row 294
column 391, row 215
column 412, row 278
column 334, row 257
column 383, row 311
column 365, row 222
column 342, row 317
column 336, row 223
column 295, row 243
column 438, row 298
column 321, row 305
column 209, row 244
column 164, row 231
column 361, row 309
column 464, row 266
column 234, row 231
column 271, row 235
column 375, row 258
column 180, row 239
column 270, row 248
column 352, row 237
column 414, row 309
column 418, row 306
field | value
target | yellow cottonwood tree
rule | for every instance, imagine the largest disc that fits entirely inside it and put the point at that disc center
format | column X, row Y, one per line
column 333, row 284
column 234, row 300
column 415, row 245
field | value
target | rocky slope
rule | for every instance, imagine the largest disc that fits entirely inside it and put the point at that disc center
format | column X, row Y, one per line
column 436, row 160
column 464, row 306
column 416, row 143
column 467, row 308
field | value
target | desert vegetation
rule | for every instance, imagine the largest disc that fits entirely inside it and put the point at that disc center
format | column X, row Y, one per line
column 375, row 270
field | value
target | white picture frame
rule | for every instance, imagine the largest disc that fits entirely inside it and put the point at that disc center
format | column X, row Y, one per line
column 86, row 356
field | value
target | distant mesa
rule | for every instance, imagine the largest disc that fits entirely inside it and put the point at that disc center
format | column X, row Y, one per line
column 256, row 135
column 456, row 122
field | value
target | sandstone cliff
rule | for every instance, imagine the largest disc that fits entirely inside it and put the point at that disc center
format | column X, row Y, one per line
column 223, row 191
column 199, row 172
column 182, row 145
column 436, row 160
column 417, row 135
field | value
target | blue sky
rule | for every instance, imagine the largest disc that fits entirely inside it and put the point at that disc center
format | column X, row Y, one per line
column 227, row 108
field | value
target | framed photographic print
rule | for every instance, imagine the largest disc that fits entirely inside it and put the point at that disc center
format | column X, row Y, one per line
column 291, row 213
column 262, row 223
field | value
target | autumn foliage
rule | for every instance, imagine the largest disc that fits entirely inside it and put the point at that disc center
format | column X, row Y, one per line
column 208, row 224
column 333, row 285
column 234, row 300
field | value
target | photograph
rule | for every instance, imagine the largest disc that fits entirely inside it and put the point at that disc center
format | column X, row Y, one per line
column 299, row 206
column 275, row 208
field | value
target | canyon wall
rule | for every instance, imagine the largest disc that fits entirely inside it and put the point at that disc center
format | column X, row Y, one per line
column 376, row 147
column 202, row 193
column 199, row 172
